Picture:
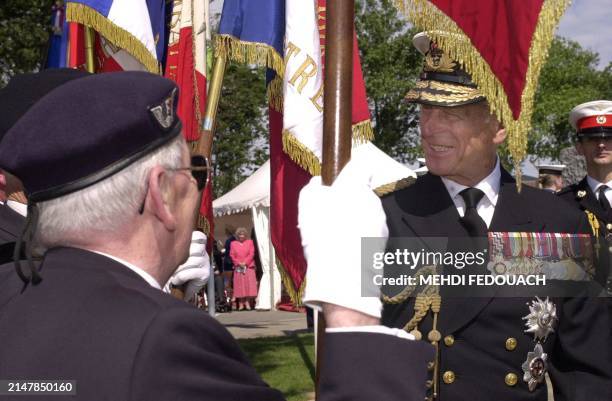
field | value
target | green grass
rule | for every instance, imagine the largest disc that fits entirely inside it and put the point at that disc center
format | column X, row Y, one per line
column 285, row 363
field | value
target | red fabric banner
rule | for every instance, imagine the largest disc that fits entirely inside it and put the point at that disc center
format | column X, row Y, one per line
column 502, row 32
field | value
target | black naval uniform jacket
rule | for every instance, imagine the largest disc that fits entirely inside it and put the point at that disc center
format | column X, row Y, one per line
column 475, row 331
column 95, row 321
column 581, row 197
column 11, row 224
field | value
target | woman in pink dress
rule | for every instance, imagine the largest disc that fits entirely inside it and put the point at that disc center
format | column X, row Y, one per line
column 242, row 252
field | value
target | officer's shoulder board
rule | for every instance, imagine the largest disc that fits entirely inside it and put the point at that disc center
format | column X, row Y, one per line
column 393, row 186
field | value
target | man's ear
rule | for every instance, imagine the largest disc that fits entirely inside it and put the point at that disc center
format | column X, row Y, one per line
column 500, row 135
column 157, row 197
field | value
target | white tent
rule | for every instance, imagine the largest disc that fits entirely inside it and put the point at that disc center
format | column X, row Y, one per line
column 248, row 205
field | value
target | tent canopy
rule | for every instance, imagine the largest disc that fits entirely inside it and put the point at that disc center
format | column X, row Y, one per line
column 252, row 192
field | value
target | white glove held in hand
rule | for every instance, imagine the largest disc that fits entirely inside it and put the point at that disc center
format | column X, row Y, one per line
column 196, row 270
column 332, row 221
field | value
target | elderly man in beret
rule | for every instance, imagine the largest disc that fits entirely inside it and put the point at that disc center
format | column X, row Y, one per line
column 112, row 194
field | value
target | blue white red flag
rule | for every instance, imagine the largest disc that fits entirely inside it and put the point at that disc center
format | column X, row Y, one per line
column 131, row 34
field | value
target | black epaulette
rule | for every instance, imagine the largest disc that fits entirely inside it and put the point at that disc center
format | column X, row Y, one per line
column 570, row 188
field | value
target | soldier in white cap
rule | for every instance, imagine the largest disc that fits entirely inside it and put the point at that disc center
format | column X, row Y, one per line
column 550, row 177
column 593, row 124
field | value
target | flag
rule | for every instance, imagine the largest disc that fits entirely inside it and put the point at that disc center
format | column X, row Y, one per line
column 254, row 35
column 56, row 54
column 130, row 34
column 186, row 65
column 502, row 44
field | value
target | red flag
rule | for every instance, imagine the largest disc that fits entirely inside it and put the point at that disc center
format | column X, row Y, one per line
column 502, row 44
column 186, row 65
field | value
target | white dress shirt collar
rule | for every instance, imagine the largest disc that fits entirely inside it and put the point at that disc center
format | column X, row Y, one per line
column 18, row 207
column 489, row 185
column 594, row 185
column 146, row 276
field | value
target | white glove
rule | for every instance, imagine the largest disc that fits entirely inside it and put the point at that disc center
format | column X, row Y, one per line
column 195, row 271
column 332, row 221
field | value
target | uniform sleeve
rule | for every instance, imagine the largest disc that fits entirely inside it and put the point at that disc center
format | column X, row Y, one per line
column 582, row 359
column 371, row 366
column 186, row 355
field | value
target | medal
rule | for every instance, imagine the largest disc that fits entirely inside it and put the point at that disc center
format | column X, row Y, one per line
column 535, row 367
column 541, row 319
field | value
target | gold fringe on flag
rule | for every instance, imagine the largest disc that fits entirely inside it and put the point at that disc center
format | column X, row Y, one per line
column 394, row 186
column 445, row 32
column 118, row 36
column 296, row 295
column 249, row 53
column 275, row 93
column 300, row 154
column 203, row 224
column 363, row 131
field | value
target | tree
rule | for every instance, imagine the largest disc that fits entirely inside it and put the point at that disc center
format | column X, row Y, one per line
column 391, row 66
column 241, row 141
column 25, row 26
column 568, row 78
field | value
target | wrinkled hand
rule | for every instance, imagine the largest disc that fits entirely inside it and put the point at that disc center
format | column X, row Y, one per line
column 332, row 222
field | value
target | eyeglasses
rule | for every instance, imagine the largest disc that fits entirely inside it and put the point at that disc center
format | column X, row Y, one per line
column 199, row 171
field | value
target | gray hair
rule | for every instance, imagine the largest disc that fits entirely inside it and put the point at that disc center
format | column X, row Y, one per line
column 105, row 206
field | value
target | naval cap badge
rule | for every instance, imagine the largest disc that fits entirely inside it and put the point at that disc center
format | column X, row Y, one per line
column 535, row 367
column 541, row 319
column 164, row 112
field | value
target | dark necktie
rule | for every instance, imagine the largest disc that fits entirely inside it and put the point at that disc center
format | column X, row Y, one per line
column 603, row 201
column 472, row 221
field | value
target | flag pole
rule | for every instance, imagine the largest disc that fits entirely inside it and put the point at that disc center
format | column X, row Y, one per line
column 204, row 146
column 90, row 63
column 337, row 102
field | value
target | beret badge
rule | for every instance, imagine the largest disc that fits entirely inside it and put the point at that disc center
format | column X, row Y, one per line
column 164, row 112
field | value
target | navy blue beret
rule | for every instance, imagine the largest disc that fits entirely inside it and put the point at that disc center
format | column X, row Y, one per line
column 89, row 129
column 24, row 90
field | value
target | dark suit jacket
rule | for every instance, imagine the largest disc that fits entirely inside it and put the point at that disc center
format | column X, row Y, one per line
column 11, row 224
column 588, row 202
column 95, row 321
column 579, row 352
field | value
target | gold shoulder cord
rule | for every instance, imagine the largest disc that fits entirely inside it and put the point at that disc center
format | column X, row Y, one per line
column 428, row 299
column 595, row 228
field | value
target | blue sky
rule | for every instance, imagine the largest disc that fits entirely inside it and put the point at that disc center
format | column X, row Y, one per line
column 589, row 22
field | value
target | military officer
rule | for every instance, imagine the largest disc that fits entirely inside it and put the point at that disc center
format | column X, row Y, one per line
column 592, row 122
column 550, row 177
column 488, row 347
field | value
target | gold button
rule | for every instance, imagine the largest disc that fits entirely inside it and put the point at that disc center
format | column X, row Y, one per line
column 448, row 377
column 429, row 383
column 609, row 227
column 449, row 340
column 511, row 379
column 511, row 343
column 430, row 366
